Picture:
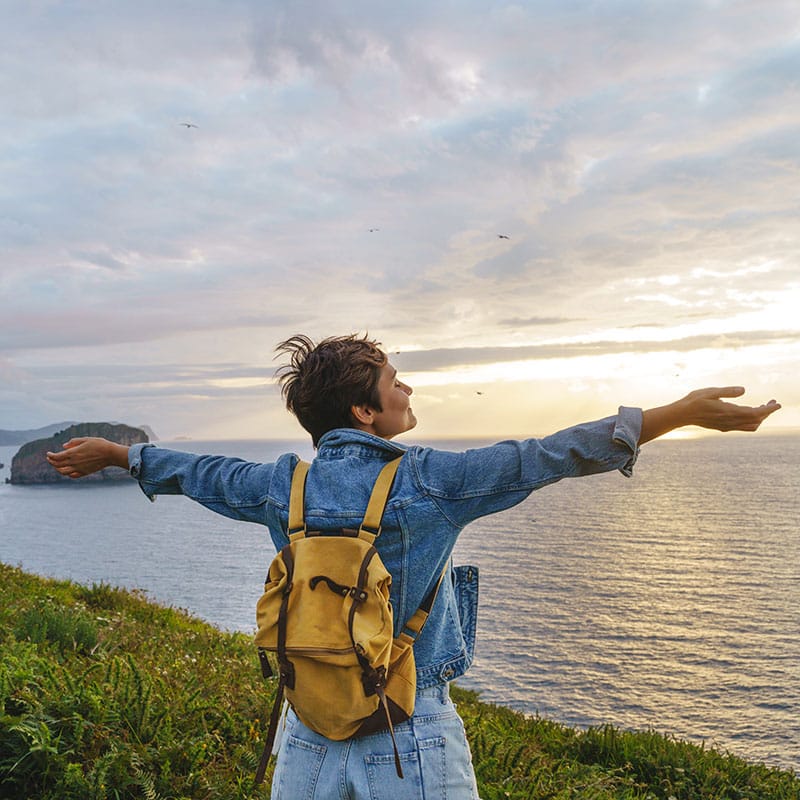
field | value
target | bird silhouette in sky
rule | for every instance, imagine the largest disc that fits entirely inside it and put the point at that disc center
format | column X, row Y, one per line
column 502, row 236
column 187, row 124
column 372, row 230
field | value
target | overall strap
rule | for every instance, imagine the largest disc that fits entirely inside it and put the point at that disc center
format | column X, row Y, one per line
column 297, row 525
column 370, row 528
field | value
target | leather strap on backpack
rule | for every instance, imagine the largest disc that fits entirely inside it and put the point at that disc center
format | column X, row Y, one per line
column 273, row 729
column 285, row 667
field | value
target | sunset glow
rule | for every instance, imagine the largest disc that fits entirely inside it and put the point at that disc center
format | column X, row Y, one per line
column 542, row 211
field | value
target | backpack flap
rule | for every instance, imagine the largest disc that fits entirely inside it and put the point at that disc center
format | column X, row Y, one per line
column 323, row 594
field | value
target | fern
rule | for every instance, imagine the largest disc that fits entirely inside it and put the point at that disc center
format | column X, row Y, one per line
column 145, row 779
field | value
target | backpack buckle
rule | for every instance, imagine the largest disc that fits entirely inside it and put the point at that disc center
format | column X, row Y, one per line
column 287, row 674
column 266, row 668
column 373, row 680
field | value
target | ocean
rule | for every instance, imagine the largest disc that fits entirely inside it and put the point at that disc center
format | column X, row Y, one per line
column 669, row 601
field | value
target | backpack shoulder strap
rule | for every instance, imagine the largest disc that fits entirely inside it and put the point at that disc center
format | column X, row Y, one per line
column 370, row 527
column 297, row 524
column 413, row 628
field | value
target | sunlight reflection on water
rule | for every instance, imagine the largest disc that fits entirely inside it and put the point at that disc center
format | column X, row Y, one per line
column 668, row 601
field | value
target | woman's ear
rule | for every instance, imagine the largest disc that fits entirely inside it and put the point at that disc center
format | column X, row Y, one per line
column 362, row 414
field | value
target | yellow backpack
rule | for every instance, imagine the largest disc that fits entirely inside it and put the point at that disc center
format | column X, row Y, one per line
column 326, row 615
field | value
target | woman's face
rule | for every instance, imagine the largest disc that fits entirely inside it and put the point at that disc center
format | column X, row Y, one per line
column 396, row 415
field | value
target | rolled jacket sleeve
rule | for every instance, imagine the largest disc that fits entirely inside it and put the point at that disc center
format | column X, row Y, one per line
column 627, row 432
column 135, row 463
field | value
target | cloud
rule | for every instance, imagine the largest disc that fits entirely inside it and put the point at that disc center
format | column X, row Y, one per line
column 532, row 322
column 449, row 358
column 610, row 141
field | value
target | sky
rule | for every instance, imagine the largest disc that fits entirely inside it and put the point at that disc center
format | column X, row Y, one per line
column 543, row 210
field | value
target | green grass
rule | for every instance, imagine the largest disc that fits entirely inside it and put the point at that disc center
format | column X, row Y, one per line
column 104, row 694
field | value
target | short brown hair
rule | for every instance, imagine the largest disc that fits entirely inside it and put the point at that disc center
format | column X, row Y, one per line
column 322, row 382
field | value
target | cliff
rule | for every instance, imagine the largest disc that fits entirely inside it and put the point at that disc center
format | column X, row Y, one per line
column 29, row 465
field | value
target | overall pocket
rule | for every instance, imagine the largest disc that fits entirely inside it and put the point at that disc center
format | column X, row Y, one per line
column 297, row 770
column 425, row 773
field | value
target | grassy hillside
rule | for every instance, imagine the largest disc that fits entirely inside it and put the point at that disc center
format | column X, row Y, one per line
column 104, row 694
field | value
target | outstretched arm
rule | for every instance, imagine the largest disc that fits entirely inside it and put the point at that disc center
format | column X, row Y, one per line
column 705, row 408
column 229, row 486
column 85, row 455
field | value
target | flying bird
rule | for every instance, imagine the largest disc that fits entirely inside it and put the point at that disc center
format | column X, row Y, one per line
column 372, row 230
column 502, row 236
column 187, row 124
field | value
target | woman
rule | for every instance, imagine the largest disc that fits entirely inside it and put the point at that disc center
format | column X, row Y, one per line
column 348, row 396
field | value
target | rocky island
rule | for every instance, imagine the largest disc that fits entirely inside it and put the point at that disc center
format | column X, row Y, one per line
column 29, row 465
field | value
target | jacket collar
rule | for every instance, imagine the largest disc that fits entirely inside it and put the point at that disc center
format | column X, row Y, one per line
column 353, row 441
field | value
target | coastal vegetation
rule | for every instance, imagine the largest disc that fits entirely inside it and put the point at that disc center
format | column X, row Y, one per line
column 105, row 694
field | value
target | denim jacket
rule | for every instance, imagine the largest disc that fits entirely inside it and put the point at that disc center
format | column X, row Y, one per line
column 435, row 495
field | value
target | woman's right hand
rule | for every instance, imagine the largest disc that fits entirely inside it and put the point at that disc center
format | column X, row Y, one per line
column 85, row 455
